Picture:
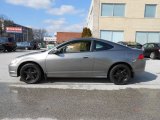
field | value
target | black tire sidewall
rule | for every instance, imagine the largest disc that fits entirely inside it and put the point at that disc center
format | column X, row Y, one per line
column 9, row 49
column 3, row 49
column 37, row 69
column 113, row 70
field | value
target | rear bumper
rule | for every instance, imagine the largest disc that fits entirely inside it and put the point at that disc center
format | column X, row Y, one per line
column 139, row 66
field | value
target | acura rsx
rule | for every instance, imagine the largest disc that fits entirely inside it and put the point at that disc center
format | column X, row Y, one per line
column 80, row 58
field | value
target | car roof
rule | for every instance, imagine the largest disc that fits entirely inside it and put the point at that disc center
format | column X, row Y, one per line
column 89, row 39
column 116, row 45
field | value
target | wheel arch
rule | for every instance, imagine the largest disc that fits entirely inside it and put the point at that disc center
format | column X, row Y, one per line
column 123, row 63
column 22, row 64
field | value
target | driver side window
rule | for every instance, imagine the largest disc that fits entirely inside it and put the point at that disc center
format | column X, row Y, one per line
column 76, row 47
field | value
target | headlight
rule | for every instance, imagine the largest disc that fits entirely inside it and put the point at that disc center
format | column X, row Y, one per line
column 15, row 61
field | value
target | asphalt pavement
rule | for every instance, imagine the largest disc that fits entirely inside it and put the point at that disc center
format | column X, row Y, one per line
column 79, row 99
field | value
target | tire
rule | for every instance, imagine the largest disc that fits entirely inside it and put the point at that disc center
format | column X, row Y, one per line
column 120, row 74
column 14, row 50
column 9, row 50
column 30, row 73
column 3, row 49
column 153, row 55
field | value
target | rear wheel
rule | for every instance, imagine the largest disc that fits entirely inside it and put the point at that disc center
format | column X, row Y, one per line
column 14, row 49
column 120, row 74
column 2, row 49
column 9, row 49
column 153, row 55
column 30, row 73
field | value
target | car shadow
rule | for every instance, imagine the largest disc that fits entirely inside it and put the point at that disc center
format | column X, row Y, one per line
column 138, row 78
column 76, row 80
column 143, row 77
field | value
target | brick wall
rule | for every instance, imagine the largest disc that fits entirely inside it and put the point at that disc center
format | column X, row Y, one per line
column 65, row 36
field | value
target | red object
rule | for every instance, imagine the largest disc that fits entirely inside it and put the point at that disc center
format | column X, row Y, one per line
column 65, row 36
column 141, row 57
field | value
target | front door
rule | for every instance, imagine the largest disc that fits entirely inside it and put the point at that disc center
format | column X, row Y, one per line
column 73, row 60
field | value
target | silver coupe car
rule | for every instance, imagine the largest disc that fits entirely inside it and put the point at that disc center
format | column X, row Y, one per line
column 85, row 58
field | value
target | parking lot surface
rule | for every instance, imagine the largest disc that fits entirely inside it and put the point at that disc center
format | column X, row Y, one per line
column 79, row 99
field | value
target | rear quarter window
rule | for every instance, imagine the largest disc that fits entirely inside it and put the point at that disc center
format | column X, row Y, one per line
column 101, row 46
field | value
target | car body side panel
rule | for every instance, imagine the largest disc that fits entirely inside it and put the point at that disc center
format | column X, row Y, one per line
column 36, row 57
column 70, row 65
column 105, row 59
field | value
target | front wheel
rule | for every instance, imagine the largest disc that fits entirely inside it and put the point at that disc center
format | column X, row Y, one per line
column 120, row 74
column 30, row 73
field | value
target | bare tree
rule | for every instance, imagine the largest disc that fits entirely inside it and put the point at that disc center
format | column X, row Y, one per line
column 39, row 34
column 4, row 22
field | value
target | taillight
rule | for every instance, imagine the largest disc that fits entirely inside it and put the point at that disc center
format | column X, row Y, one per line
column 141, row 57
column 159, row 50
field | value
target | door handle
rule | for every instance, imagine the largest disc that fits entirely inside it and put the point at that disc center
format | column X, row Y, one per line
column 85, row 57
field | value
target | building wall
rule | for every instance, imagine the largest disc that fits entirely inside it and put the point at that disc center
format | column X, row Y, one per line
column 133, row 21
column 65, row 36
column 26, row 35
column 93, row 18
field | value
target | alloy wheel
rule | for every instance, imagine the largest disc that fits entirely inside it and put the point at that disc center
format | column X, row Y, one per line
column 120, row 74
column 30, row 73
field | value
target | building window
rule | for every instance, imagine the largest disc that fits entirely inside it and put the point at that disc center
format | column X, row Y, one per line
column 113, row 10
column 114, row 36
column 147, row 37
column 150, row 10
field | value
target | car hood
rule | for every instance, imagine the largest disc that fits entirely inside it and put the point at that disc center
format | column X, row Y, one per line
column 32, row 54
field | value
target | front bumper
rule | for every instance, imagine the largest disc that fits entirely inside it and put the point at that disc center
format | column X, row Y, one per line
column 12, row 70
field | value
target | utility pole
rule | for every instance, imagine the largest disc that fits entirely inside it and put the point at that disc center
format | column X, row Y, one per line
column 27, row 34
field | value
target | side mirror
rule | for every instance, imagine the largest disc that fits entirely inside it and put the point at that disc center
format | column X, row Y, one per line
column 56, row 51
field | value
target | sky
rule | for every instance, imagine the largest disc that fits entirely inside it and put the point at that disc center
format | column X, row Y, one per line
column 52, row 15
